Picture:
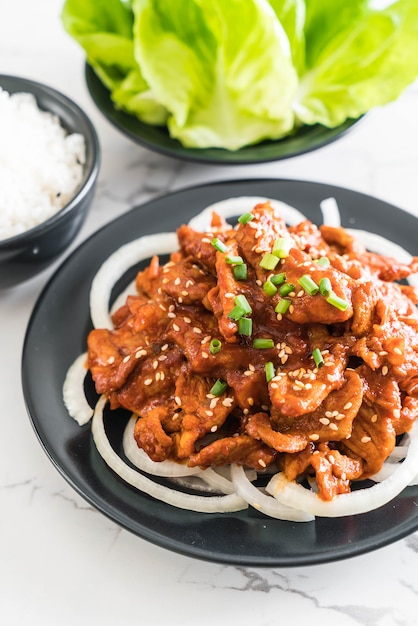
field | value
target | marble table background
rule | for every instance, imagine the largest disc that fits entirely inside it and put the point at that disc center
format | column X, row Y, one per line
column 61, row 562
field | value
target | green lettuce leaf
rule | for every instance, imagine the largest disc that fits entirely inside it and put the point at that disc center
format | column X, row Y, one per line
column 222, row 69
column 358, row 57
column 104, row 28
column 291, row 15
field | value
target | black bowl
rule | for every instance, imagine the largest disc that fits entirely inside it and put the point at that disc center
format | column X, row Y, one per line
column 28, row 253
column 305, row 139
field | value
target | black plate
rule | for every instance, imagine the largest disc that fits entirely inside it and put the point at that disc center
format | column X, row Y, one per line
column 156, row 138
column 56, row 336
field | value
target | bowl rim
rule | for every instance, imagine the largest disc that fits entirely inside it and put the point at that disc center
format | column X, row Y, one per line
column 29, row 86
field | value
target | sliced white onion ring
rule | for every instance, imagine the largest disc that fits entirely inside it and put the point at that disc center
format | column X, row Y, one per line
column 360, row 501
column 117, row 264
column 260, row 501
column 203, row 504
column 73, row 391
column 232, row 207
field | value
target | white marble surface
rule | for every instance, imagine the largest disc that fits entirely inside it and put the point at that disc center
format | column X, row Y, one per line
column 61, row 562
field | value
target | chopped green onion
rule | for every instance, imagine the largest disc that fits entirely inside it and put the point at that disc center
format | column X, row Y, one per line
column 323, row 261
column 263, row 344
column 234, row 260
column 278, row 279
column 338, row 302
column 325, row 287
column 218, row 245
column 215, row 346
column 241, row 308
column 245, row 218
column 242, row 301
column 236, row 313
column 286, row 289
column 281, row 247
column 317, row 357
column 218, row 388
column 245, row 326
column 240, row 271
column 308, row 284
column 282, row 306
column 269, row 261
column 270, row 373
column 269, row 288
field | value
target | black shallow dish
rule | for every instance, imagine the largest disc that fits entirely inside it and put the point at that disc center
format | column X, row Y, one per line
column 30, row 252
column 56, row 336
column 156, row 138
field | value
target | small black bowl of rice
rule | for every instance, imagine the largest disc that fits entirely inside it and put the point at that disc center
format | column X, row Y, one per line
column 49, row 163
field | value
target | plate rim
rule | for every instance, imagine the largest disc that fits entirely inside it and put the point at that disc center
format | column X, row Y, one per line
column 347, row 551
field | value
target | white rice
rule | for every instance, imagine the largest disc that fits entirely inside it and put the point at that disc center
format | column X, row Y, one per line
column 41, row 166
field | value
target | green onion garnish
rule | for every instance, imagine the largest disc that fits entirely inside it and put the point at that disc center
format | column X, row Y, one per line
column 215, row 346
column 245, row 218
column 245, row 326
column 269, row 288
column 263, row 344
column 234, row 260
column 325, row 287
column 286, row 289
column 323, row 261
column 281, row 247
column 218, row 245
column 308, row 284
column 270, row 373
column 240, row 271
column 278, row 279
column 336, row 301
column 218, row 388
column 317, row 357
column 241, row 300
column 269, row 261
column 240, row 309
column 282, row 306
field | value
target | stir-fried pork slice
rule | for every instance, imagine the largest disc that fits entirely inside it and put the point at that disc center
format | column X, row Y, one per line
column 241, row 449
column 198, row 246
column 259, row 427
column 201, row 412
column 371, row 440
column 332, row 420
column 301, row 391
column 151, row 437
column 186, row 282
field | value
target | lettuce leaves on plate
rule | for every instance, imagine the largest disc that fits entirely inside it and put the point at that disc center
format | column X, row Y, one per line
column 230, row 74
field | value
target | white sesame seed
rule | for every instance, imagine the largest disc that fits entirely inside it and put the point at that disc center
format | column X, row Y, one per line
column 229, row 295
column 343, row 476
column 273, row 385
column 227, row 402
column 374, row 418
column 279, row 317
column 155, row 364
column 157, row 376
column 365, row 439
column 300, row 293
column 177, row 281
column 214, row 429
column 171, row 307
column 284, row 359
column 347, row 406
column 213, row 403
column 162, row 307
column 163, row 357
column 397, row 350
column 382, row 353
column 177, row 400
column 324, row 421
column 110, row 360
column 248, row 373
column 396, row 413
column 187, row 320
column 251, row 401
column 331, row 378
column 147, row 381
column 197, row 330
column 126, row 359
column 205, row 355
column 175, row 327
column 184, row 293
column 328, row 413
column 261, row 462
column 385, row 370
column 333, row 426
column 314, row 437
column 171, row 315
column 209, row 413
